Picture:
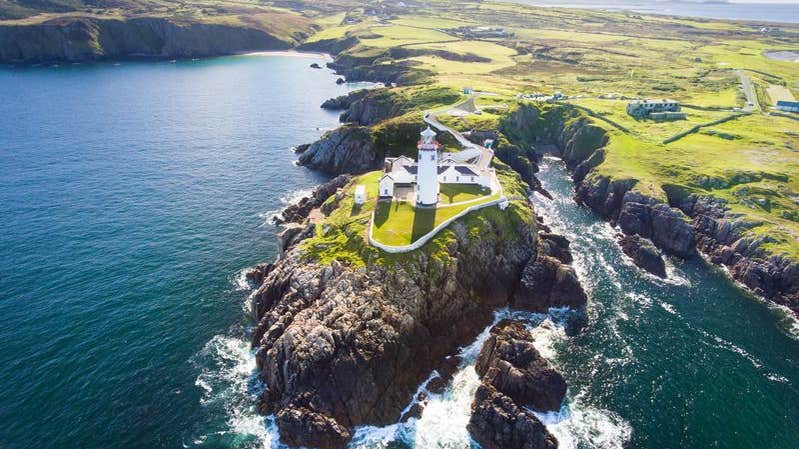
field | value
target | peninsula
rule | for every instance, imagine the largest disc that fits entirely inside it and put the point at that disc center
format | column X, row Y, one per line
column 681, row 132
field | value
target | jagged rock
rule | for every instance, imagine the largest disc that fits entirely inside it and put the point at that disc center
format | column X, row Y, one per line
column 347, row 149
column 554, row 245
column 350, row 346
column 498, row 423
column 546, row 282
column 714, row 230
column 340, row 81
column 292, row 234
column 667, row 227
column 315, row 66
column 510, row 363
column 372, row 108
column 296, row 213
column 344, row 101
column 643, row 254
column 257, row 273
column 303, row 427
column 603, row 195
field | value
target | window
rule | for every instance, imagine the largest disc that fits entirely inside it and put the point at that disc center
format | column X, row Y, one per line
column 457, row 179
column 385, row 192
column 432, row 157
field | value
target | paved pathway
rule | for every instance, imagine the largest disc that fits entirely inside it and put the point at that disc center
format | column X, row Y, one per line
column 473, row 152
column 749, row 90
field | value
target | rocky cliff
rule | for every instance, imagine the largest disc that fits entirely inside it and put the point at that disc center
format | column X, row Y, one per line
column 347, row 149
column 678, row 225
column 340, row 346
column 83, row 39
column 514, row 377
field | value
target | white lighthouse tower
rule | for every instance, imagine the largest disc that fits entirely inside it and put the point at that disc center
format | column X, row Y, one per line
column 427, row 169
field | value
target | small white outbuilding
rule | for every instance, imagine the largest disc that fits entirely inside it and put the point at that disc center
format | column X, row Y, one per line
column 386, row 186
column 360, row 194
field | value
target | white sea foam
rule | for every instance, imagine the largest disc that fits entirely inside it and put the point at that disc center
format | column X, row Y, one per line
column 578, row 425
column 240, row 281
column 639, row 298
column 228, row 382
column 295, row 196
column 546, row 336
column 371, row 437
column 268, row 218
column 668, row 308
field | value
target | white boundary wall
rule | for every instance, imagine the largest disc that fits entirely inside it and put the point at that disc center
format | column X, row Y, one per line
column 425, row 238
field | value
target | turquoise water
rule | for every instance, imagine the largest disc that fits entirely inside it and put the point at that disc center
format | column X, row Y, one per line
column 133, row 195
column 130, row 197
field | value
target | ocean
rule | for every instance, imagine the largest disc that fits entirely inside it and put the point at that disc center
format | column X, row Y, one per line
column 133, row 195
column 753, row 12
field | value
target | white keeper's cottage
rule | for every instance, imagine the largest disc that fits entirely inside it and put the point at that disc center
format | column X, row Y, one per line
column 403, row 177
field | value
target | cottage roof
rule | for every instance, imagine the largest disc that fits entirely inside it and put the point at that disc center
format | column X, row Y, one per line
column 464, row 170
column 794, row 104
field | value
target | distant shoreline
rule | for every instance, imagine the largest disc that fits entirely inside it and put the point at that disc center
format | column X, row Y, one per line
column 771, row 13
column 292, row 53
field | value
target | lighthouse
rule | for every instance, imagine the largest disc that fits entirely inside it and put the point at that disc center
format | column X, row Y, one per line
column 427, row 171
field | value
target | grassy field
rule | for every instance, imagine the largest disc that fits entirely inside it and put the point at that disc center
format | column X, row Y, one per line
column 342, row 235
column 750, row 162
column 399, row 223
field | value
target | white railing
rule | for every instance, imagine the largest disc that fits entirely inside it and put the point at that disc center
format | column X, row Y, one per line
column 425, row 238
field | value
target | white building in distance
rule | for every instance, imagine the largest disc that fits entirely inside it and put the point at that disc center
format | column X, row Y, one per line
column 403, row 176
column 644, row 108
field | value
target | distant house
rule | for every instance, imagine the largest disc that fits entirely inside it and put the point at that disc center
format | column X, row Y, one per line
column 787, row 106
column 644, row 108
column 663, row 116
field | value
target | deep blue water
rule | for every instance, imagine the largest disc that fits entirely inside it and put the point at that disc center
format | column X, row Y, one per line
column 130, row 197
column 756, row 12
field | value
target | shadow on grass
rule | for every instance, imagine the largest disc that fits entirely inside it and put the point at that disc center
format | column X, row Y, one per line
column 424, row 220
column 382, row 211
column 356, row 209
column 451, row 191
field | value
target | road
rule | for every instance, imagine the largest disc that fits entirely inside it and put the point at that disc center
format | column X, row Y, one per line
column 749, row 91
column 471, row 151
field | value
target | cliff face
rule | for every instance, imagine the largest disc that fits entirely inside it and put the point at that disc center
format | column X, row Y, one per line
column 346, row 149
column 514, row 377
column 82, row 39
column 341, row 346
column 679, row 226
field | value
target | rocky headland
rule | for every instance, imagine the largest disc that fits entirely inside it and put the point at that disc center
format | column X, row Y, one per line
column 347, row 344
column 75, row 39
column 679, row 224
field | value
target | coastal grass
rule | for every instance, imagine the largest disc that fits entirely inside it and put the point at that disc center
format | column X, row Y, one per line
column 342, row 235
column 399, row 223
column 750, row 163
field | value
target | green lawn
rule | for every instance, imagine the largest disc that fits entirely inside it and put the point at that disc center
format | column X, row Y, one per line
column 456, row 193
column 399, row 223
